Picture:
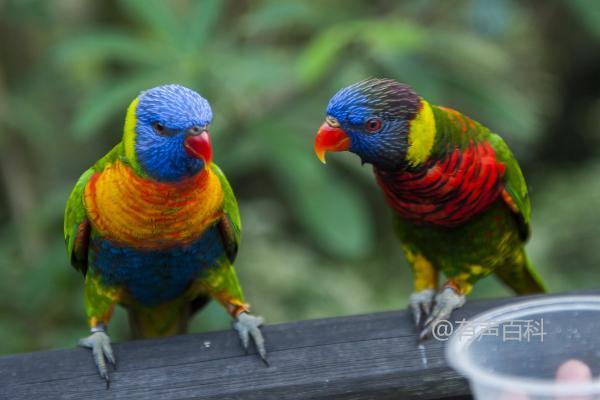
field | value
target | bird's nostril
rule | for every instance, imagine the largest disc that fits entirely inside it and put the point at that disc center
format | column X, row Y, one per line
column 195, row 130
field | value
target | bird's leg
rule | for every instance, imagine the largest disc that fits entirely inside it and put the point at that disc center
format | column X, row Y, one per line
column 248, row 325
column 99, row 304
column 449, row 299
column 222, row 284
column 425, row 278
column 99, row 342
column 420, row 304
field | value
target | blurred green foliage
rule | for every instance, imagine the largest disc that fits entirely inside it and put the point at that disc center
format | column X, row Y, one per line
column 317, row 241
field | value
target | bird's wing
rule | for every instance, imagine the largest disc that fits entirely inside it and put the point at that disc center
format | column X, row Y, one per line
column 77, row 227
column 515, row 193
column 229, row 225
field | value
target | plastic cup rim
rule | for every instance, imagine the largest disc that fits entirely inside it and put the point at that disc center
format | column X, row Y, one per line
column 479, row 376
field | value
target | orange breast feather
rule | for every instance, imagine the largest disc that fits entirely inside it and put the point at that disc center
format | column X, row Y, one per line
column 141, row 212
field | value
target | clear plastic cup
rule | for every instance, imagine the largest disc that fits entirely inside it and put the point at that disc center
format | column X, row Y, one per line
column 505, row 362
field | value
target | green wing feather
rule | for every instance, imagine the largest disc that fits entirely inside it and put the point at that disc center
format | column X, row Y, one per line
column 230, row 226
column 222, row 280
column 514, row 184
column 76, row 224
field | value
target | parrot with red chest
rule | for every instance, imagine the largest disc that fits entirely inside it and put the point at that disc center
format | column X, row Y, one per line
column 154, row 226
column 457, row 192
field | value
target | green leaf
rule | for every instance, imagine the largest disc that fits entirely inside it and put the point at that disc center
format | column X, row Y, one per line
column 102, row 46
column 109, row 100
column 158, row 17
column 377, row 37
column 588, row 12
column 468, row 53
column 202, row 20
column 331, row 210
column 274, row 15
column 395, row 36
column 323, row 52
column 26, row 119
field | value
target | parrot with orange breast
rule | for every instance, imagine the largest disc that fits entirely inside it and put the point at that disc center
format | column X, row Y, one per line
column 154, row 226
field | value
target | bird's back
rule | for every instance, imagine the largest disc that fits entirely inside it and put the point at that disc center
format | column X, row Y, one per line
column 461, row 178
column 466, row 208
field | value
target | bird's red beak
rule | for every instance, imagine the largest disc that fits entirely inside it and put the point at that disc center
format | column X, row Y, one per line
column 330, row 138
column 198, row 146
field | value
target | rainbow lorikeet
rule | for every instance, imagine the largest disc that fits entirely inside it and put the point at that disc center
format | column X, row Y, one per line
column 458, row 194
column 154, row 226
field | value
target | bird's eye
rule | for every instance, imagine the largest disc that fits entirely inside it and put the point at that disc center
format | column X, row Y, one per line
column 158, row 127
column 373, row 125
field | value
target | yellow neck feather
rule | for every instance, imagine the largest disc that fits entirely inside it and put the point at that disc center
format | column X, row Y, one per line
column 421, row 135
column 129, row 134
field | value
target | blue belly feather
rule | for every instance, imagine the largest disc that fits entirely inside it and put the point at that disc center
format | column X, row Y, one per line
column 155, row 276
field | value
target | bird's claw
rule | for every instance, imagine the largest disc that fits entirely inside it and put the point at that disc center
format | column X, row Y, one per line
column 247, row 326
column 446, row 301
column 420, row 304
column 99, row 342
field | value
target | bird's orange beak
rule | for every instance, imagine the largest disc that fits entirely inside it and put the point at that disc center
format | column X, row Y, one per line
column 330, row 138
column 198, row 146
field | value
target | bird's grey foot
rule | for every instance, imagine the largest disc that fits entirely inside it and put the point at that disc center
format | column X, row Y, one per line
column 99, row 342
column 247, row 326
column 420, row 304
column 446, row 301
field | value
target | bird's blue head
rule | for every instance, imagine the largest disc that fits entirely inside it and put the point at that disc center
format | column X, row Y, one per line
column 372, row 119
column 166, row 133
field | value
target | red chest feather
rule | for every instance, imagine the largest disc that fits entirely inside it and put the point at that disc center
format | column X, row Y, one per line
column 448, row 192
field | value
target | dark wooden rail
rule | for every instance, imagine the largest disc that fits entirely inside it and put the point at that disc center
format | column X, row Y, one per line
column 371, row 356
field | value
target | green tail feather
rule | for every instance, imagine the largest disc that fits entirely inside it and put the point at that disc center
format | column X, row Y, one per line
column 164, row 320
column 521, row 276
